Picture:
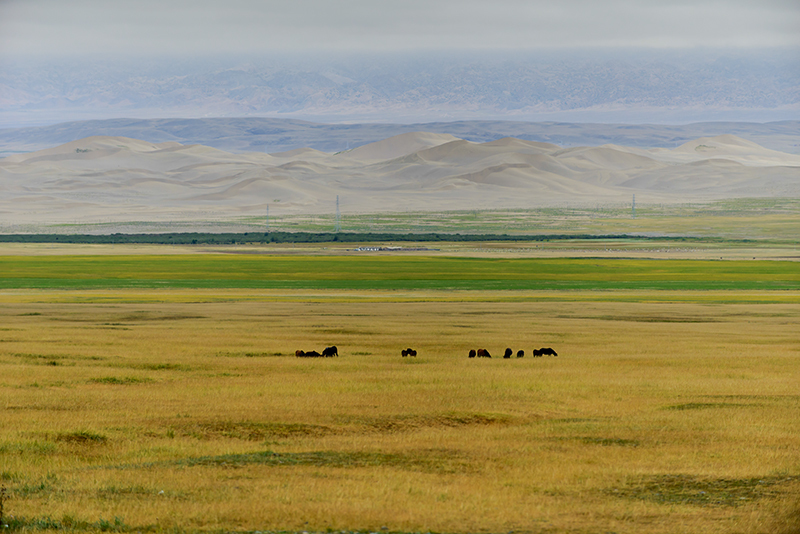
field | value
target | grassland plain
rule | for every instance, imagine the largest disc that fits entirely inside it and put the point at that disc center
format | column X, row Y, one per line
column 742, row 218
column 151, row 393
column 389, row 273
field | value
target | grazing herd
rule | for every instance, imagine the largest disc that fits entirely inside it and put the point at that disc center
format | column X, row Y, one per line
column 483, row 353
column 329, row 352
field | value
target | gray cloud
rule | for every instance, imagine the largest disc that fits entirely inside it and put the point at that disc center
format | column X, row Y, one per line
column 54, row 27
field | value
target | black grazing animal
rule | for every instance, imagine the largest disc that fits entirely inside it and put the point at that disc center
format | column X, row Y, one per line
column 312, row 354
column 472, row 353
column 299, row 353
column 408, row 352
column 508, row 353
column 547, row 351
column 537, row 353
column 330, row 351
column 483, row 353
column 520, row 353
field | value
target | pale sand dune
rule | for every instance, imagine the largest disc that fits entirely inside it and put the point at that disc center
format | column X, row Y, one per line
column 398, row 146
column 728, row 147
column 305, row 153
column 121, row 179
column 541, row 163
column 92, row 148
column 457, row 152
column 725, row 142
column 714, row 162
column 606, row 157
column 511, row 143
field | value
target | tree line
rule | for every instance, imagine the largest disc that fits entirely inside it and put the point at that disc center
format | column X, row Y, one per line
column 310, row 237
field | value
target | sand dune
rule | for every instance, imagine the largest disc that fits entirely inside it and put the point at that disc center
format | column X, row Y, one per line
column 118, row 178
column 606, row 157
column 458, row 152
column 728, row 147
column 511, row 143
column 305, row 153
column 398, row 146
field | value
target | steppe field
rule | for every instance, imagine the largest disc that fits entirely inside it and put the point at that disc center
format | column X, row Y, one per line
column 156, row 389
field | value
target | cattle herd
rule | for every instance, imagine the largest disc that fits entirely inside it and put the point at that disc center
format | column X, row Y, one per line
column 483, row 353
column 329, row 352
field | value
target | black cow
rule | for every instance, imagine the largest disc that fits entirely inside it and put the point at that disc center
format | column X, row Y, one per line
column 312, row 354
column 408, row 352
column 472, row 353
column 547, row 351
column 299, row 353
column 520, row 353
column 483, row 353
column 537, row 353
column 508, row 353
column 330, row 352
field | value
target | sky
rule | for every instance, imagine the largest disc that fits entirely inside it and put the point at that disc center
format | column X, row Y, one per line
column 199, row 27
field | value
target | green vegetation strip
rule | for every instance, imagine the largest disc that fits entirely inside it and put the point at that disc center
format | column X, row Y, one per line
column 426, row 460
column 389, row 273
column 193, row 238
column 68, row 523
column 699, row 491
column 430, row 461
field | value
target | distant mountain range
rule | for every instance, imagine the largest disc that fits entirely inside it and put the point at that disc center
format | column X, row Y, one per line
column 280, row 135
column 666, row 86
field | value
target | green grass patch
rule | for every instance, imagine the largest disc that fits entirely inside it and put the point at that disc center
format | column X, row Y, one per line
column 389, row 273
column 244, row 354
column 81, row 437
column 160, row 367
column 608, row 442
column 251, row 431
column 38, row 448
column 428, row 461
column 699, row 491
column 119, row 380
column 706, row 405
column 69, row 523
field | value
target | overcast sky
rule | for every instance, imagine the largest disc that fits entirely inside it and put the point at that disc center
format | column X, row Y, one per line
column 156, row 27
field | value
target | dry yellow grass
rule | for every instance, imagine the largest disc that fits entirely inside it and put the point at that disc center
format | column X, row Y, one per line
column 158, row 408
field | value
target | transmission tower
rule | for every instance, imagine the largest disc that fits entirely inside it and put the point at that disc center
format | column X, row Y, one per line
column 338, row 225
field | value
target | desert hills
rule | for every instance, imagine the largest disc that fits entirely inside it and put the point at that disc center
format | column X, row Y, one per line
column 105, row 178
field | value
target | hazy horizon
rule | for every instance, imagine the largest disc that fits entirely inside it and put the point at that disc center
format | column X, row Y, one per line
column 622, row 61
column 615, row 86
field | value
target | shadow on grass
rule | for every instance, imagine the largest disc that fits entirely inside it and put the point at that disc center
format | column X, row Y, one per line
column 701, row 491
column 251, row 431
column 437, row 461
column 427, row 460
column 707, row 405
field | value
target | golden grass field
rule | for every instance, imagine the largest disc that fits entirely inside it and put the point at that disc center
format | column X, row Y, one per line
column 186, row 410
